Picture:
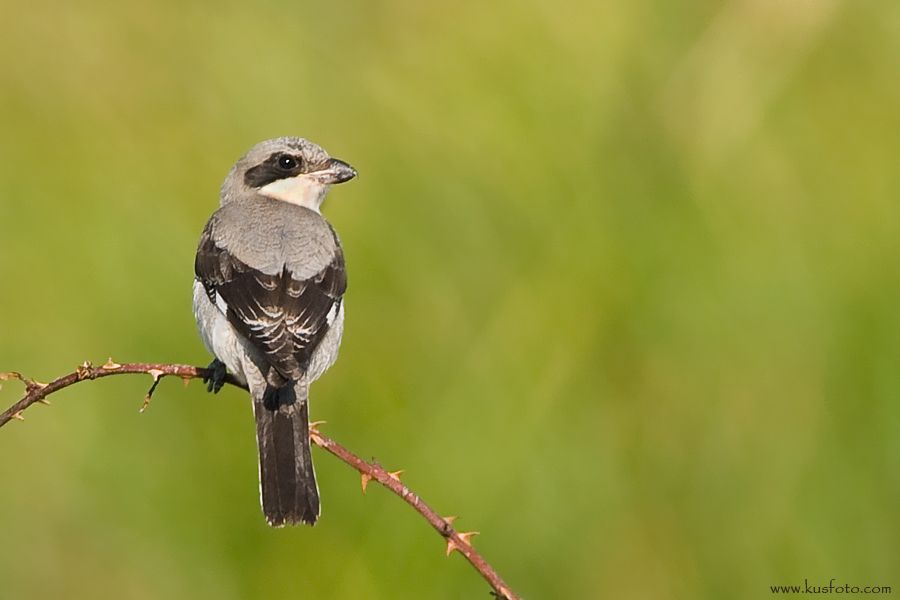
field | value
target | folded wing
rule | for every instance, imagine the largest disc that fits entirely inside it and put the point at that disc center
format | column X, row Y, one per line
column 283, row 317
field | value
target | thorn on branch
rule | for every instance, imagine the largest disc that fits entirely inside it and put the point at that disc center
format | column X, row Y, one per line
column 18, row 416
column 314, row 427
column 364, row 480
column 447, row 529
column 111, row 365
column 464, row 537
column 395, row 475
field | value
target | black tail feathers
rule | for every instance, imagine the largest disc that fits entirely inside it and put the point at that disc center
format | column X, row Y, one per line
column 288, row 487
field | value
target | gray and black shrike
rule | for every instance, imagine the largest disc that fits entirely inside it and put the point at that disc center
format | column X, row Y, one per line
column 268, row 300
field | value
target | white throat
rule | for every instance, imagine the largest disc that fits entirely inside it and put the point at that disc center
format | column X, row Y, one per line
column 303, row 190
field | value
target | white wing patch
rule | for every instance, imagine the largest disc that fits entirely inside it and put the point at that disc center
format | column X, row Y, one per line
column 332, row 314
column 221, row 304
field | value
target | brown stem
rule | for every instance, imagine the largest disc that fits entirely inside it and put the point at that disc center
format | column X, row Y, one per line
column 369, row 471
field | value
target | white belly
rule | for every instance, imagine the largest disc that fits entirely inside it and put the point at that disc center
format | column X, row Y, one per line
column 218, row 335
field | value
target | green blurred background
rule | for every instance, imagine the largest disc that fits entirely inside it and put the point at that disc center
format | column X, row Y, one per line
column 624, row 292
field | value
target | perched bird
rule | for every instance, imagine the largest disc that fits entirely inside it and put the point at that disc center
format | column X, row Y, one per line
column 268, row 300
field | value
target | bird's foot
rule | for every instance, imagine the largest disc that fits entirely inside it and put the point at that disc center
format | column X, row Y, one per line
column 216, row 377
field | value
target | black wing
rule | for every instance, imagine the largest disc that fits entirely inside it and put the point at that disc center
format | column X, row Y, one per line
column 284, row 318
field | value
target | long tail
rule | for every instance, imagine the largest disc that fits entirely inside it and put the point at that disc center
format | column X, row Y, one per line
column 287, row 481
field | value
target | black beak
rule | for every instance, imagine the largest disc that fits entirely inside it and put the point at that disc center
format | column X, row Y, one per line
column 336, row 171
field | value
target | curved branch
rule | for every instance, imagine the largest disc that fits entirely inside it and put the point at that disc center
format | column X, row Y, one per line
column 37, row 392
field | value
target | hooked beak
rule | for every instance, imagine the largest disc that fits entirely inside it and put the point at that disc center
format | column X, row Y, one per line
column 335, row 171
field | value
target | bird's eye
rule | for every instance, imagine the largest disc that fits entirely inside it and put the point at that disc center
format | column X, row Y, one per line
column 287, row 162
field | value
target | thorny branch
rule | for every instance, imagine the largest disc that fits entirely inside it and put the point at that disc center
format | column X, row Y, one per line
column 37, row 392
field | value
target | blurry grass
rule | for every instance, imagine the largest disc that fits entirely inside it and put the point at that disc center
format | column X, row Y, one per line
column 623, row 290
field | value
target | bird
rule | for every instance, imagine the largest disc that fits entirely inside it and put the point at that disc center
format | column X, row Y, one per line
column 268, row 299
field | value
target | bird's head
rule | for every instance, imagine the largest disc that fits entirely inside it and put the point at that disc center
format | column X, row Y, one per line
column 287, row 169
